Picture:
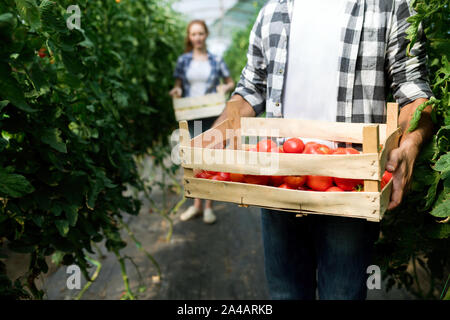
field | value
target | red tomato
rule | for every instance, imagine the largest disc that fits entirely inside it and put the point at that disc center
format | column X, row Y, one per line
column 266, row 145
column 387, row 176
column 319, row 183
column 316, row 148
column 293, row 145
column 280, row 149
column 277, row 180
column 213, row 173
column 225, row 175
column 42, row 53
column 285, row 186
column 347, row 184
column 334, row 189
column 218, row 177
column 345, row 151
column 203, row 175
column 236, row 177
column 303, row 188
column 310, row 143
column 295, row 181
column 254, row 179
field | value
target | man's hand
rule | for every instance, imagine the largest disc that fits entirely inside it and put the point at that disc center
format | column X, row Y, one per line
column 401, row 160
column 400, row 164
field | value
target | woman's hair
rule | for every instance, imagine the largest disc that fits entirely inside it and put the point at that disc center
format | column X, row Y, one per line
column 187, row 42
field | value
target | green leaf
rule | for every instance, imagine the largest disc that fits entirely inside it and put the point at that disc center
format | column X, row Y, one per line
column 38, row 220
column 447, row 295
column 72, row 62
column 3, row 104
column 442, row 210
column 37, row 76
column 29, row 11
column 10, row 89
column 93, row 193
column 57, row 257
column 413, row 124
column 62, row 226
column 72, row 215
column 7, row 21
column 3, row 144
column 50, row 19
column 14, row 185
column 52, row 137
column 439, row 231
column 443, row 164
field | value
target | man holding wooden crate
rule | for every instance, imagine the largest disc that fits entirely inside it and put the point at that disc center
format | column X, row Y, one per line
column 332, row 60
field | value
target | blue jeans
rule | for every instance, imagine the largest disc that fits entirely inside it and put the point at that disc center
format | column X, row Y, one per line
column 337, row 249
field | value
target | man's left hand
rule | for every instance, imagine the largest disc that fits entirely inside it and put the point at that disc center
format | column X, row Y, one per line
column 401, row 163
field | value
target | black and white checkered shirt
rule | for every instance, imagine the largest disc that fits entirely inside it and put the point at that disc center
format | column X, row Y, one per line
column 373, row 60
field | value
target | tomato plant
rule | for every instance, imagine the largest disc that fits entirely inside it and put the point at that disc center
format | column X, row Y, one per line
column 72, row 125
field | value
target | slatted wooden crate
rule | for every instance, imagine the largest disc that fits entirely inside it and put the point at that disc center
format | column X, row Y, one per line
column 190, row 108
column 370, row 204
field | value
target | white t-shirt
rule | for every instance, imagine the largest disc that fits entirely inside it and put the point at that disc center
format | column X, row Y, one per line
column 197, row 76
column 312, row 68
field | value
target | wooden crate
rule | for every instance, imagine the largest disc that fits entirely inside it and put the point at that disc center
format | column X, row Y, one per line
column 369, row 165
column 190, row 108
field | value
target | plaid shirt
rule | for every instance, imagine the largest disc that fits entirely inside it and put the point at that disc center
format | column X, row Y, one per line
column 218, row 70
column 372, row 59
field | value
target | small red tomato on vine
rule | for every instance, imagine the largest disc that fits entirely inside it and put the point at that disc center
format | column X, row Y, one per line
column 42, row 53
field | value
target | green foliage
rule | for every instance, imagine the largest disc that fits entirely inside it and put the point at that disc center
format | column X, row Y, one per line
column 72, row 121
column 419, row 231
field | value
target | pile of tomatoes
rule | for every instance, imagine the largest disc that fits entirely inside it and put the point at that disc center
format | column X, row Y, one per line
column 305, row 183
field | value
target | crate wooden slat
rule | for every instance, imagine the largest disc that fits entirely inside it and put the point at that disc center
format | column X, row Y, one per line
column 360, row 166
column 279, row 127
column 366, row 205
column 206, row 152
column 191, row 108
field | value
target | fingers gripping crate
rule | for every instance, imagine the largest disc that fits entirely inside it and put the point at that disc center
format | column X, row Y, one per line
column 191, row 108
column 377, row 141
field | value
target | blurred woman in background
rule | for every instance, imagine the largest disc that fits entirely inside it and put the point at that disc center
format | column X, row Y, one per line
column 199, row 72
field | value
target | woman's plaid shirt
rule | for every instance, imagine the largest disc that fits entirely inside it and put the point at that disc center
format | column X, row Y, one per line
column 372, row 59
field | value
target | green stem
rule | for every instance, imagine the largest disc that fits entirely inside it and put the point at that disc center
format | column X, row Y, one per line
column 136, row 267
column 94, row 276
column 445, row 286
column 139, row 246
column 123, row 270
